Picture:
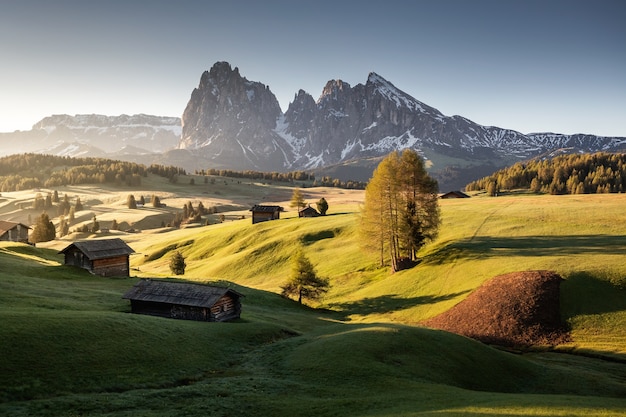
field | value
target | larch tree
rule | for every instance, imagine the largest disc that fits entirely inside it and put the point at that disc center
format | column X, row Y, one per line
column 401, row 210
column 44, row 229
column 304, row 281
column 297, row 200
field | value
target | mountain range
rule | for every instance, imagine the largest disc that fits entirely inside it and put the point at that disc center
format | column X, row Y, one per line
column 233, row 123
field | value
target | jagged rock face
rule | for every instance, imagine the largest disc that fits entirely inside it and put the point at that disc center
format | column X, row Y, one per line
column 238, row 123
column 231, row 121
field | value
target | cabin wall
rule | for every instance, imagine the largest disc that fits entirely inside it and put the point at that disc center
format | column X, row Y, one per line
column 18, row 233
column 226, row 308
column 75, row 257
column 116, row 266
column 260, row 216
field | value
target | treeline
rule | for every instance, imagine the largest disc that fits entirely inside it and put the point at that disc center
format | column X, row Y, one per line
column 283, row 177
column 27, row 171
column 565, row 174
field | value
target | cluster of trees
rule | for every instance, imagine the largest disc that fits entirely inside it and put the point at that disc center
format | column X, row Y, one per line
column 401, row 210
column 257, row 175
column 336, row 183
column 284, row 177
column 191, row 214
column 27, row 171
column 298, row 202
column 132, row 203
column 566, row 174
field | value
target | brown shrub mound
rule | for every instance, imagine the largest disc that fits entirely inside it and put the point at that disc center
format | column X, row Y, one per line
column 516, row 309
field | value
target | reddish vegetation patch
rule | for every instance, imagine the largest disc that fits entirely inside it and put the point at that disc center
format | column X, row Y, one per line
column 516, row 309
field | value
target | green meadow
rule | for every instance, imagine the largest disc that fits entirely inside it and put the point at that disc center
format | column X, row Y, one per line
column 70, row 346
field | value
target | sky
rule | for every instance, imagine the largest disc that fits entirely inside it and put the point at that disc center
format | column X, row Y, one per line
column 531, row 66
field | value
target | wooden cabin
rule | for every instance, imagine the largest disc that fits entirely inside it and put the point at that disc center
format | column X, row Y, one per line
column 454, row 194
column 14, row 232
column 184, row 301
column 308, row 212
column 264, row 213
column 105, row 257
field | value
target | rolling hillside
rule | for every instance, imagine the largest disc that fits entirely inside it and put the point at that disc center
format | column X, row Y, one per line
column 71, row 347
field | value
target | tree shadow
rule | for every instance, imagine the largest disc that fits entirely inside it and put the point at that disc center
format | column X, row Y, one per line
column 479, row 247
column 584, row 294
column 387, row 304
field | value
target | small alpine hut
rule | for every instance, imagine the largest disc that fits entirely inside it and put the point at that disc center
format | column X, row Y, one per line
column 184, row 301
column 308, row 212
column 105, row 257
column 454, row 194
column 265, row 213
column 14, row 232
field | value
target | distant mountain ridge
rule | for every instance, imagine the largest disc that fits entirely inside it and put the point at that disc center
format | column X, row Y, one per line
column 96, row 135
column 238, row 123
column 233, row 123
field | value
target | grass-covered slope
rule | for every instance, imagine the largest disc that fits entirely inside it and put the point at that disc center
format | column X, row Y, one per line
column 70, row 347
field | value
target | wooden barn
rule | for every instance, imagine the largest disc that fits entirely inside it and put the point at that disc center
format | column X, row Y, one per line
column 105, row 257
column 454, row 194
column 14, row 232
column 308, row 212
column 184, row 301
column 265, row 213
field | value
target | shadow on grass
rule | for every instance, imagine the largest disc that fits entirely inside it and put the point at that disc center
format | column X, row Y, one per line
column 387, row 304
column 486, row 246
column 584, row 294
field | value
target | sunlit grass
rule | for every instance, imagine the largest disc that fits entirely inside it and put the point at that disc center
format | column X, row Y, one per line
column 70, row 346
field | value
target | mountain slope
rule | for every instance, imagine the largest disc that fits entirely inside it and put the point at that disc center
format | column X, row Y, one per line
column 238, row 123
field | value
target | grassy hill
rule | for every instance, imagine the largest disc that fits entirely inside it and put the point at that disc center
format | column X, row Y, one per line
column 70, row 347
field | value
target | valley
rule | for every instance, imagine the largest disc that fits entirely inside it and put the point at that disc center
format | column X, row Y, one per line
column 71, row 347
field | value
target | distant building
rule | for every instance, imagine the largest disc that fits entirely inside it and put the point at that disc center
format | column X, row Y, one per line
column 184, row 301
column 264, row 213
column 308, row 212
column 454, row 194
column 105, row 257
column 14, row 232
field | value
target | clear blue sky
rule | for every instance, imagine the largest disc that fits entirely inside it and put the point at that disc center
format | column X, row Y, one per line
column 531, row 66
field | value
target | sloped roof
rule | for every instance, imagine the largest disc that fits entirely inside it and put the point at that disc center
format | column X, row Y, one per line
column 458, row 194
column 309, row 209
column 6, row 226
column 101, row 248
column 266, row 209
column 180, row 293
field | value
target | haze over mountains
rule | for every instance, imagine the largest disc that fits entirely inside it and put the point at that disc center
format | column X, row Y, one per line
column 233, row 123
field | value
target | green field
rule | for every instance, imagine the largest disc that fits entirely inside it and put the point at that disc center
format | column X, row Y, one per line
column 70, row 347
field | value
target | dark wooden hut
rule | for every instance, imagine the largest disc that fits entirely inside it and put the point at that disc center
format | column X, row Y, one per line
column 184, row 301
column 264, row 213
column 308, row 212
column 105, row 257
column 14, row 232
column 454, row 194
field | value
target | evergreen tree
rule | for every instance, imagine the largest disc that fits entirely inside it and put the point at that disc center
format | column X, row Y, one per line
column 130, row 202
column 177, row 264
column 44, row 230
column 78, row 205
column 304, row 282
column 322, row 206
